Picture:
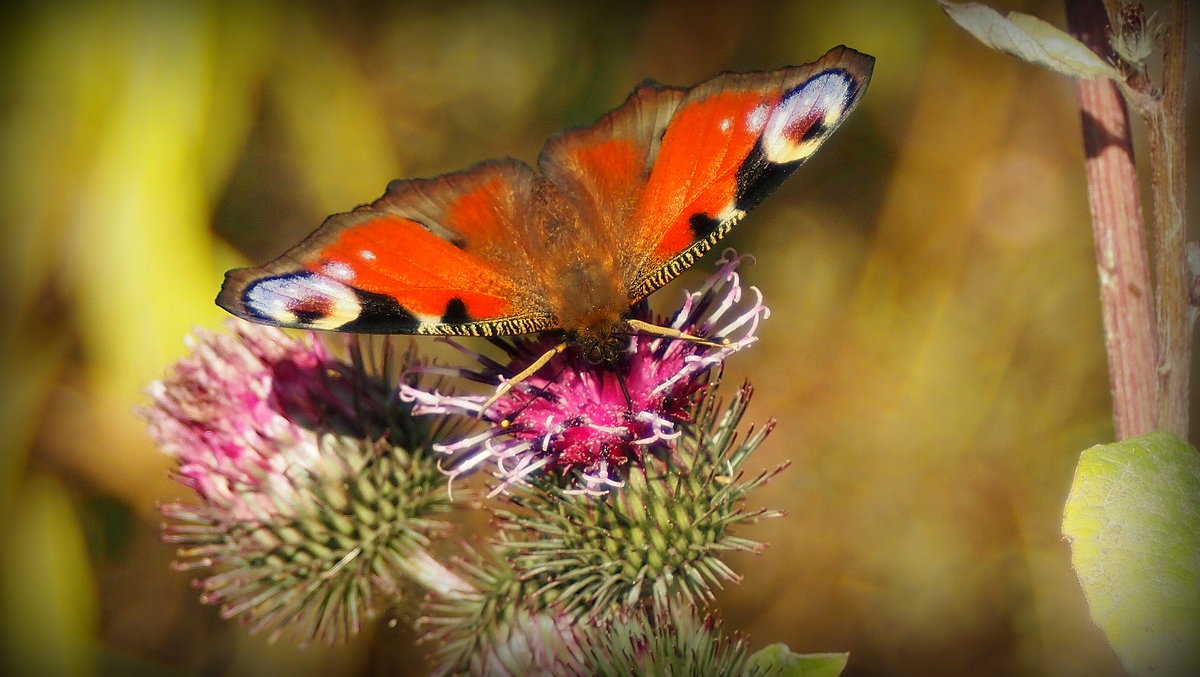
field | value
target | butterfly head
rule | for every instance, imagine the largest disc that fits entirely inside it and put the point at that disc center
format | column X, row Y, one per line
column 602, row 345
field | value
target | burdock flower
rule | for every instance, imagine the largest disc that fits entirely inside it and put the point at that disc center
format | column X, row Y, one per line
column 627, row 642
column 586, row 421
column 566, row 571
column 315, row 484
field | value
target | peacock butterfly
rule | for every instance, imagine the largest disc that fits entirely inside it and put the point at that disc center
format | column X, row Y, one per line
column 614, row 211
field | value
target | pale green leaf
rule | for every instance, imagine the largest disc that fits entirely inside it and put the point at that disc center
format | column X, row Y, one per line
column 49, row 619
column 1030, row 39
column 779, row 660
column 1133, row 520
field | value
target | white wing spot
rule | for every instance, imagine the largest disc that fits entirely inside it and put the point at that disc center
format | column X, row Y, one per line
column 366, row 255
column 726, row 125
column 338, row 271
column 731, row 214
column 427, row 324
column 757, row 118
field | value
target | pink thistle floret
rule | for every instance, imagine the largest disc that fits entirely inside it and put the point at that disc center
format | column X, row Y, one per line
column 574, row 417
column 316, row 487
column 241, row 415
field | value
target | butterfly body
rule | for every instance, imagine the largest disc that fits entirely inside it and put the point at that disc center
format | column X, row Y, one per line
column 613, row 212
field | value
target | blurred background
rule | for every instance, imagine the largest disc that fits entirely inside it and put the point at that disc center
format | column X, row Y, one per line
column 934, row 358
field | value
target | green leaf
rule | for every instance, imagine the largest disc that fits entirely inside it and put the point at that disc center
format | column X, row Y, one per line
column 1133, row 520
column 49, row 619
column 1030, row 39
column 779, row 660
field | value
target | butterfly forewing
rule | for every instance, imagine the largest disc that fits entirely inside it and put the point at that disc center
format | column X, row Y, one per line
column 731, row 141
column 602, row 168
column 432, row 256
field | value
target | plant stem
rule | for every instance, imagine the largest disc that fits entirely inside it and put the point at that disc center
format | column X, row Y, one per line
column 1121, row 261
column 1169, row 233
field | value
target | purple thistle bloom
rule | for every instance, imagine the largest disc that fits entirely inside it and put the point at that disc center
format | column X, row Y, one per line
column 574, row 417
column 229, row 413
column 316, row 487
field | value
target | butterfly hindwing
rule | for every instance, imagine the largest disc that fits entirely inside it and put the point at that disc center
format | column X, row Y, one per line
column 602, row 168
column 729, row 143
column 432, row 256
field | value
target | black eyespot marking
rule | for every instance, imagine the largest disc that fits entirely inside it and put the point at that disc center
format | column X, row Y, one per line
column 814, row 130
column 311, row 311
column 758, row 176
column 381, row 314
column 456, row 312
column 703, row 226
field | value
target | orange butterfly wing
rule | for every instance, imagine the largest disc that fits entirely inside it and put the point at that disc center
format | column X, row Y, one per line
column 672, row 170
column 432, row 256
column 602, row 168
column 623, row 206
column 732, row 141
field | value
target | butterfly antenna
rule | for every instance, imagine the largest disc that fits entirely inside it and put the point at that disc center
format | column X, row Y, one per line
column 532, row 369
column 656, row 330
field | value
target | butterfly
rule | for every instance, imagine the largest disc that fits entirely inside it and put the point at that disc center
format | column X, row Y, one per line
column 614, row 211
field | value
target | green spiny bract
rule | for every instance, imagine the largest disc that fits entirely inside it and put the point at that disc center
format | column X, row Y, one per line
column 317, row 488
column 333, row 554
column 646, row 547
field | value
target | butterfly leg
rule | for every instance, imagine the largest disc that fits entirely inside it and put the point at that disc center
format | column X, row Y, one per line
column 655, row 330
column 625, row 390
column 508, row 384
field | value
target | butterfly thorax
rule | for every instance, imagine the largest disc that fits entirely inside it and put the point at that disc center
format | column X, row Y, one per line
column 592, row 310
column 580, row 275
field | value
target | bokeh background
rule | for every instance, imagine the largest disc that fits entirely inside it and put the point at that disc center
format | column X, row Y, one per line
column 934, row 358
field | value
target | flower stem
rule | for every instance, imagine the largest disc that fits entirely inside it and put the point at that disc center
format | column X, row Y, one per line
column 1169, row 233
column 1121, row 260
